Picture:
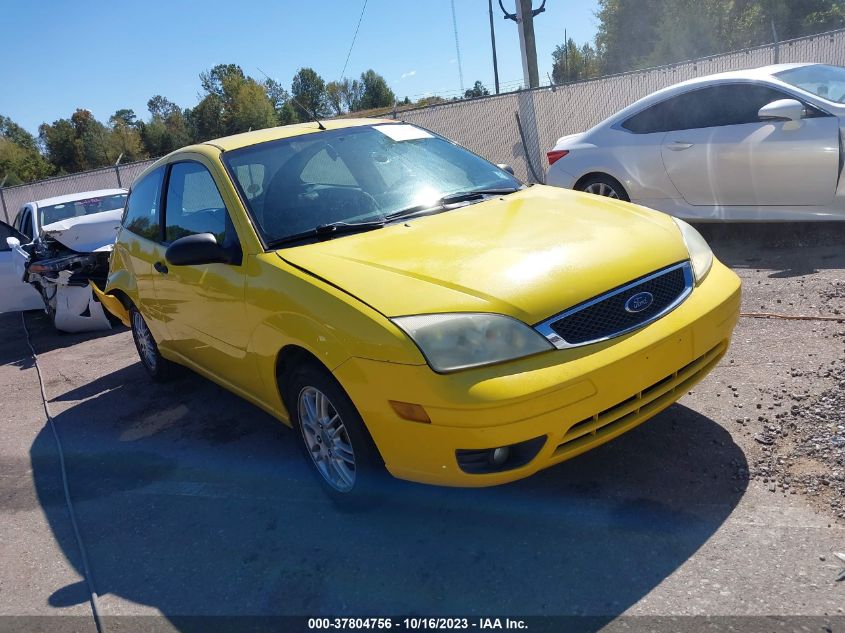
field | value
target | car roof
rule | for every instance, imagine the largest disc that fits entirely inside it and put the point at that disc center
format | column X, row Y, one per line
column 73, row 197
column 761, row 73
column 246, row 139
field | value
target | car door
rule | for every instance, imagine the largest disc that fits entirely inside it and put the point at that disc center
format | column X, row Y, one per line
column 15, row 293
column 718, row 152
column 139, row 245
column 203, row 304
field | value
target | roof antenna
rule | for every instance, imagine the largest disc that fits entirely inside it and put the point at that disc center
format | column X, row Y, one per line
column 311, row 113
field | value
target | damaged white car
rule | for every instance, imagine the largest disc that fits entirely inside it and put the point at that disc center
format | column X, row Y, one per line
column 53, row 252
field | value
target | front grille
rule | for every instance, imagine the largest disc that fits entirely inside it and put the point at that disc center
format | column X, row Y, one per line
column 639, row 407
column 608, row 315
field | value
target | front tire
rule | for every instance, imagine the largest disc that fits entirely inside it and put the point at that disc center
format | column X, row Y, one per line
column 604, row 185
column 333, row 437
column 158, row 367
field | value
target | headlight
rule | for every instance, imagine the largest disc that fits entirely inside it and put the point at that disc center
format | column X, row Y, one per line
column 457, row 341
column 699, row 251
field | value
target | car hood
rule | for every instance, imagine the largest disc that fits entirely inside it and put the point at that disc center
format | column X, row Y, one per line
column 86, row 233
column 529, row 255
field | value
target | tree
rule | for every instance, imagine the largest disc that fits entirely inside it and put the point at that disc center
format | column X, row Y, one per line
column 249, row 108
column 640, row 33
column 125, row 138
column 571, row 63
column 309, row 93
column 222, row 80
column 376, row 92
column 334, row 96
column 167, row 130
column 20, row 160
column 351, row 94
column 78, row 143
column 280, row 99
column 478, row 90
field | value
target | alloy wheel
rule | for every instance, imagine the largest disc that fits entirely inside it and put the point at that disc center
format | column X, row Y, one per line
column 326, row 439
column 144, row 340
column 602, row 189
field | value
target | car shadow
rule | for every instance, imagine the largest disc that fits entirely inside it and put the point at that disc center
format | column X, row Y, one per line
column 13, row 348
column 193, row 502
column 790, row 249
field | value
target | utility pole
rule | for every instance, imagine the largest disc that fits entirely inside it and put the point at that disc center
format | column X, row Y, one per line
column 493, row 43
column 524, row 18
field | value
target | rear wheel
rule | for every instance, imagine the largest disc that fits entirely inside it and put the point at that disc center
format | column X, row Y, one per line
column 334, row 437
column 604, row 185
column 158, row 367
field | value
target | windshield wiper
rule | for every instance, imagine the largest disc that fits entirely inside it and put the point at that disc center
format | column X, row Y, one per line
column 445, row 201
column 328, row 230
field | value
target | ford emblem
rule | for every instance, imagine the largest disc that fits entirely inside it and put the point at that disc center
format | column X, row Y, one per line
column 639, row 302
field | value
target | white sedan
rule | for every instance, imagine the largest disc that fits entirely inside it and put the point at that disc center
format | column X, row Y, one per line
column 752, row 145
column 53, row 250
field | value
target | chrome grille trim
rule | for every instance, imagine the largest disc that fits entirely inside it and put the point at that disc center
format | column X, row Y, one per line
column 545, row 327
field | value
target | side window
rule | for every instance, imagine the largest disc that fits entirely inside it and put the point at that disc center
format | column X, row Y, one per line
column 193, row 204
column 26, row 223
column 142, row 215
column 9, row 231
column 323, row 169
column 651, row 120
column 715, row 106
column 732, row 104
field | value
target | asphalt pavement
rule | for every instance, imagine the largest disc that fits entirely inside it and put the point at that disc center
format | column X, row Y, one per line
column 191, row 502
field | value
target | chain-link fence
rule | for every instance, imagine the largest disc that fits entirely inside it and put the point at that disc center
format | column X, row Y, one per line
column 515, row 128
column 13, row 198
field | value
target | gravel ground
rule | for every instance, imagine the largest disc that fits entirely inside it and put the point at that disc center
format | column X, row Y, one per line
column 796, row 415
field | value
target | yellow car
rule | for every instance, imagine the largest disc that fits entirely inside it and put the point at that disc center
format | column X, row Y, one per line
column 406, row 305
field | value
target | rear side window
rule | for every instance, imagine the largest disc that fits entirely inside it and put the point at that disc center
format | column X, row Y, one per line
column 194, row 204
column 716, row 106
column 143, row 216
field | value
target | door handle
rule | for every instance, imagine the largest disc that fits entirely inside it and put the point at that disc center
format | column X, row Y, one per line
column 162, row 268
column 680, row 146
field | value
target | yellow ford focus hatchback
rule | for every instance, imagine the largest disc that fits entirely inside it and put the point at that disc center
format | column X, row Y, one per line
column 406, row 305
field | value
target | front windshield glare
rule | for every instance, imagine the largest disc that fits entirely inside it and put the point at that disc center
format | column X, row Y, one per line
column 353, row 175
column 827, row 82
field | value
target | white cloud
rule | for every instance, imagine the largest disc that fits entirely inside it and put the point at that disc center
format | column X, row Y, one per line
column 410, row 73
column 454, row 60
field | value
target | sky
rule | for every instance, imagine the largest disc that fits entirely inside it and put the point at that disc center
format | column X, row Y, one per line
column 103, row 56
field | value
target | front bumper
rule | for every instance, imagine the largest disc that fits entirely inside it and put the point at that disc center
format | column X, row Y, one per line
column 577, row 399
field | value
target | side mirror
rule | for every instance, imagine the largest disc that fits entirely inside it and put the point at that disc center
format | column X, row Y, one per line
column 782, row 110
column 12, row 243
column 193, row 250
column 506, row 167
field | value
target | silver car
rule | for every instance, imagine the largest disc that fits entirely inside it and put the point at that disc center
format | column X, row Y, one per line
column 751, row 145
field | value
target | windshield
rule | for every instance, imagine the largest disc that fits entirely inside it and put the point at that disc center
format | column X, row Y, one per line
column 76, row 208
column 353, row 175
column 827, row 82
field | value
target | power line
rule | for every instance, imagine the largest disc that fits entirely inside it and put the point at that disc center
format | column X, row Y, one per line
column 354, row 37
column 457, row 46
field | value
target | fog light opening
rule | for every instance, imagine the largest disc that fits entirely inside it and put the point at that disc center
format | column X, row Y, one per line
column 498, row 456
column 480, row 461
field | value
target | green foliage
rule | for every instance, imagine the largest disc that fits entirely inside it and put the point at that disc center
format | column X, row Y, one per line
column 351, row 94
column 20, row 160
column 478, row 90
column 167, row 130
column 637, row 34
column 280, row 100
column 78, row 143
column 334, row 96
column 376, row 92
column 571, row 63
column 309, row 93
